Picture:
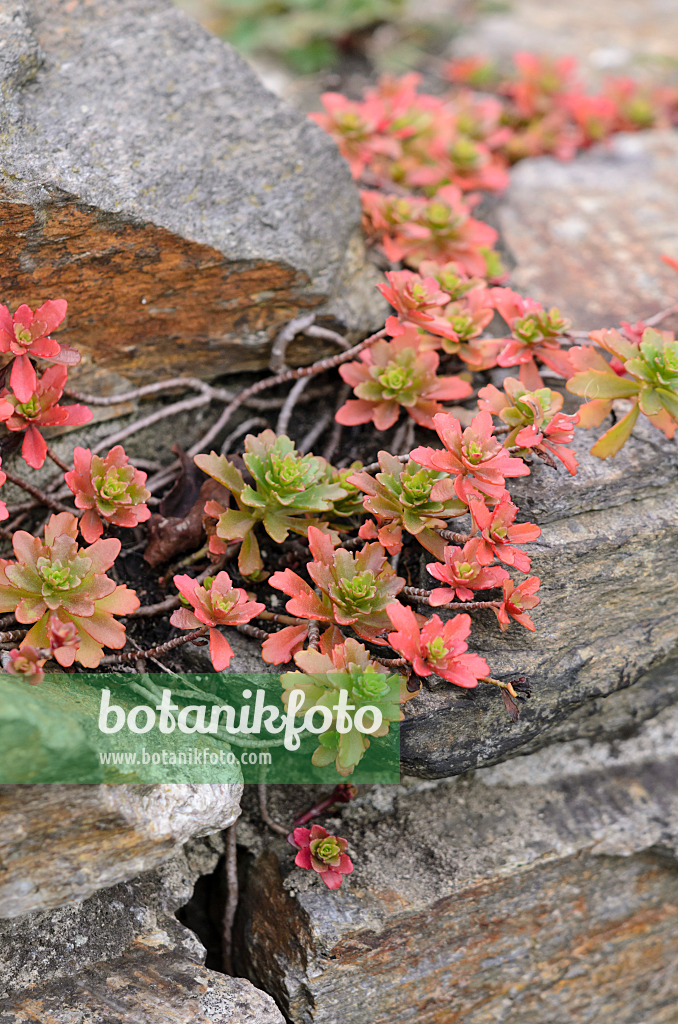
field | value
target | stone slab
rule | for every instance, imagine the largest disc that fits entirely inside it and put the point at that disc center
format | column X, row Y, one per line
column 147, row 986
column 44, row 945
column 122, row 954
column 587, row 236
column 61, row 842
column 540, row 889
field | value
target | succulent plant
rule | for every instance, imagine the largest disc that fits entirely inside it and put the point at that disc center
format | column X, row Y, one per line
column 41, row 409
column 400, row 498
column 350, row 506
column 443, row 230
column 534, row 417
column 476, row 460
column 417, row 300
column 394, row 375
column 499, row 533
column 28, row 663
column 646, row 374
column 26, row 334
column 109, row 489
column 323, row 853
column 536, row 333
column 55, row 579
column 517, row 602
column 346, row 666
column 216, row 603
column 355, row 587
column 463, row 574
column 288, row 492
column 437, row 647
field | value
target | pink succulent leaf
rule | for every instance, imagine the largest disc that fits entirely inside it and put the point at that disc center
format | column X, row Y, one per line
column 220, row 650
column 23, row 379
column 280, row 647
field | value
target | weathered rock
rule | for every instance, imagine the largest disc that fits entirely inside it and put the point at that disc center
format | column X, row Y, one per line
column 123, row 951
column 47, row 944
column 606, row 618
column 148, row 177
column 610, row 36
column 60, row 843
column 147, row 986
column 588, row 236
column 541, row 889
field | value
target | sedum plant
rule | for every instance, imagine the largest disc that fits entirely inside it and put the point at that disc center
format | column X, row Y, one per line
column 536, row 336
column 645, row 374
column 323, row 853
column 462, row 573
column 534, row 418
column 287, row 493
column 25, row 335
column 28, row 663
column 499, row 533
column 474, row 458
column 345, row 666
column 400, row 497
column 442, row 229
column 355, row 589
column 55, row 579
column 108, row 489
column 41, row 409
column 395, row 375
column 417, row 300
column 517, row 602
column 437, row 648
column 216, row 603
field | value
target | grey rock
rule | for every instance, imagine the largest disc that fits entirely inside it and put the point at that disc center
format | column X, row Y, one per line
column 123, row 951
column 145, row 169
column 60, row 843
column 540, row 889
column 48, row 944
column 605, row 620
column 587, row 236
column 619, row 37
column 147, row 986
column 19, row 52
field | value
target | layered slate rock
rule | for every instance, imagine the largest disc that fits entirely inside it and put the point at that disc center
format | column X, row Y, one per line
column 44, row 945
column 148, row 177
column 540, row 889
column 60, row 843
column 122, row 955
column 587, row 236
column 606, row 620
column 149, row 986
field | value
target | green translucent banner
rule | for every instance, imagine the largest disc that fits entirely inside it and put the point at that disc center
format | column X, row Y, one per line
column 190, row 728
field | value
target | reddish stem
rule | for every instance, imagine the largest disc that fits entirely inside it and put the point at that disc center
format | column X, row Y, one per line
column 342, row 794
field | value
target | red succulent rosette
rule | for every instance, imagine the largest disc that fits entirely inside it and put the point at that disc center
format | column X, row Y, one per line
column 323, row 853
